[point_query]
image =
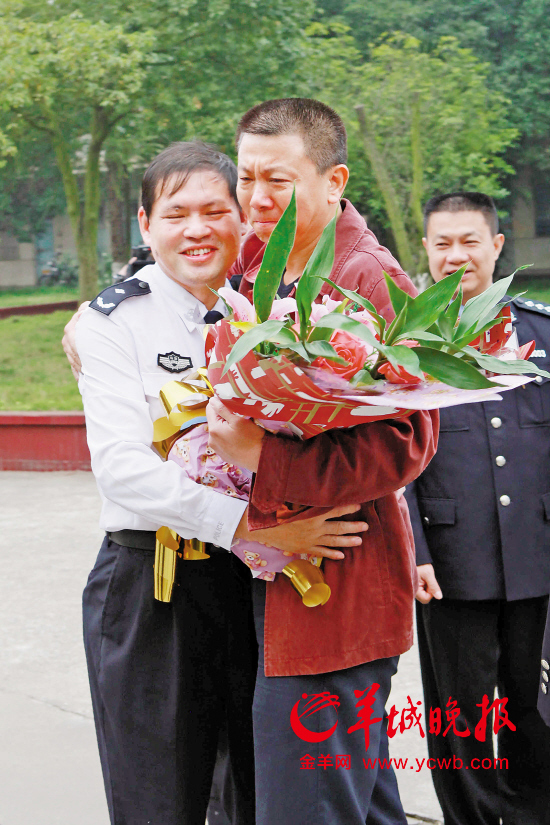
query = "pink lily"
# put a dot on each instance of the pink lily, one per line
(241, 306)
(282, 307)
(318, 310)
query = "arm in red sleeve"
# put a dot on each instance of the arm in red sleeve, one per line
(362, 463)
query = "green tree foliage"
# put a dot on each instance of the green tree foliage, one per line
(512, 37)
(31, 190)
(428, 123)
(129, 78)
(72, 81)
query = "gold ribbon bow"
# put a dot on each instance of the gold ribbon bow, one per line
(184, 402)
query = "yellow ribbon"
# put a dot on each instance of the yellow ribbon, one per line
(184, 402)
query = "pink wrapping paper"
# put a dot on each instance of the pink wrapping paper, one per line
(203, 466)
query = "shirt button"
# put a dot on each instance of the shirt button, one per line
(545, 664)
(538, 379)
(496, 422)
(500, 461)
(426, 520)
(143, 285)
(505, 500)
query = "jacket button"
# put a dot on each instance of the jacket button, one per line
(426, 520)
(505, 500)
(500, 461)
(544, 676)
(496, 422)
(543, 688)
(545, 664)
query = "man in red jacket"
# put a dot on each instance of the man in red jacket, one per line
(348, 649)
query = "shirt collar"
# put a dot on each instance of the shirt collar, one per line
(189, 308)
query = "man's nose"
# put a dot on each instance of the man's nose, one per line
(196, 227)
(260, 198)
(457, 254)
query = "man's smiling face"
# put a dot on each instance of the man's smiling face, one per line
(195, 232)
(457, 238)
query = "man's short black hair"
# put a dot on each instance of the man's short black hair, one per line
(177, 163)
(463, 202)
(321, 129)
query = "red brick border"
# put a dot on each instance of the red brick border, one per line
(37, 309)
(43, 441)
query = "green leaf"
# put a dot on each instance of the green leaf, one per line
(215, 291)
(400, 356)
(335, 321)
(317, 268)
(425, 309)
(299, 348)
(256, 335)
(322, 349)
(477, 307)
(451, 370)
(363, 378)
(489, 362)
(274, 261)
(354, 297)
(398, 297)
(396, 327)
(474, 333)
(422, 335)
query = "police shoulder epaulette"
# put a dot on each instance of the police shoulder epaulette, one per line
(532, 306)
(110, 298)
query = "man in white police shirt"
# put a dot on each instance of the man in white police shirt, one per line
(481, 521)
(166, 678)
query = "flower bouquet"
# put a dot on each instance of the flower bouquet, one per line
(300, 368)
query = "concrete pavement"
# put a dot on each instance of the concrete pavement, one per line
(49, 768)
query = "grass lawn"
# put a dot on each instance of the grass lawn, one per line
(538, 288)
(36, 295)
(34, 373)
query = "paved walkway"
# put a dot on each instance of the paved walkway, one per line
(49, 768)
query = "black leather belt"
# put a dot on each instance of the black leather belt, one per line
(146, 540)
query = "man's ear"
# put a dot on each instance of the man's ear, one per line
(425, 243)
(337, 182)
(143, 221)
(245, 226)
(498, 242)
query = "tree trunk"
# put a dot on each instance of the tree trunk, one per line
(389, 195)
(118, 208)
(417, 188)
(84, 217)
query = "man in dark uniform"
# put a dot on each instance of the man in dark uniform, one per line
(544, 695)
(481, 521)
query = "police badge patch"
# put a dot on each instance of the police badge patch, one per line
(172, 362)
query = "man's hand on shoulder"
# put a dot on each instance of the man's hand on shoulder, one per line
(237, 440)
(315, 535)
(428, 588)
(68, 342)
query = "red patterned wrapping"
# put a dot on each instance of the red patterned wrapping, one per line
(275, 391)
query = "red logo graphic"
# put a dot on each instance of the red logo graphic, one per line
(317, 702)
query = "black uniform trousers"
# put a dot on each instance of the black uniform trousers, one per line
(165, 679)
(286, 793)
(466, 649)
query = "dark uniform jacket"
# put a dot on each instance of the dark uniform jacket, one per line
(481, 510)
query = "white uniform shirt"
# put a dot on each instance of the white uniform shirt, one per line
(120, 384)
